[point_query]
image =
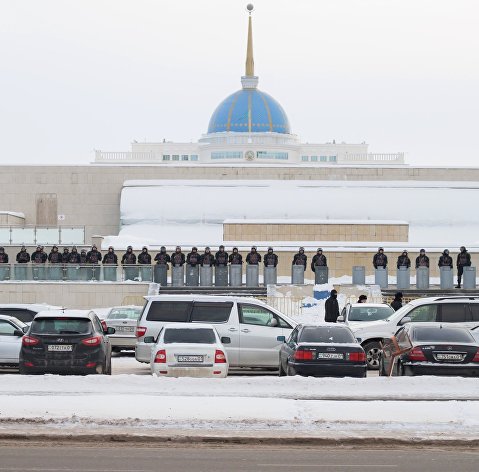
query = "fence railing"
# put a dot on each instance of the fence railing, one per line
(32, 235)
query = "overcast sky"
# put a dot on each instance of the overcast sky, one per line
(75, 76)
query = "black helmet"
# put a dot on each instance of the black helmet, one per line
(422, 250)
(320, 249)
(178, 248)
(129, 248)
(381, 249)
(2, 248)
(194, 248)
(162, 248)
(222, 247)
(253, 247)
(110, 248)
(463, 249)
(301, 249)
(270, 249)
(235, 249)
(83, 251)
(144, 249)
(446, 252)
(405, 251)
(207, 248)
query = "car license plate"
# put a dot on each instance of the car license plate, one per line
(448, 357)
(329, 355)
(125, 329)
(60, 347)
(190, 358)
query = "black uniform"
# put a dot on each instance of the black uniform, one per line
(65, 256)
(178, 258)
(54, 257)
(422, 261)
(319, 260)
(83, 259)
(300, 258)
(74, 257)
(144, 257)
(445, 260)
(38, 257)
(270, 259)
(463, 260)
(331, 308)
(403, 261)
(3, 256)
(162, 258)
(110, 257)
(129, 258)
(207, 259)
(23, 257)
(221, 257)
(93, 256)
(380, 260)
(253, 257)
(235, 257)
(193, 258)
(396, 304)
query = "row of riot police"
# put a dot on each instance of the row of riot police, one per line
(380, 259)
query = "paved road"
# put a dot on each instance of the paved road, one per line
(125, 458)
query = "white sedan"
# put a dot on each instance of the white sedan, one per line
(11, 333)
(189, 350)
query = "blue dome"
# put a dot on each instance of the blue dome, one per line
(249, 106)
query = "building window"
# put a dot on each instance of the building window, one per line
(184, 157)
(314, 158)
(194, 157)
(166, 157)
(176, 157)
(272, 155)
(332, 158)
(227, 155)
(323, 159)
(304, 158)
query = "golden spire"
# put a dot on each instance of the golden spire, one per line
(249, 50)
(249, 80)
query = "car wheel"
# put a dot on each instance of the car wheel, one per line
(373, 355)
(281, 371)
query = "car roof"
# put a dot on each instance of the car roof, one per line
(31, 306)
(435, 325)
(65, 313)
(448, 299)
(123, 307)
(371, 305)
(189, 326)
(325, 325)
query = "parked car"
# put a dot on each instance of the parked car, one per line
(253, 327)
(463, 310)
(11, 332)
(189, 350)
(124, 319)
(67, 342)
(322, 350)
(25, 311)
(354, 314)
(435, 349)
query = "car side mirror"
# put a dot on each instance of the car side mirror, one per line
(110, 330)
(340, 319)
(149, 339)
(18, 332)
(405, 320)
(281, 339)
(225, 340)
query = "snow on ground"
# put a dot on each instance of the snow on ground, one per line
(425, 407)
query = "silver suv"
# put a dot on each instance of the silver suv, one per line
(463, 310)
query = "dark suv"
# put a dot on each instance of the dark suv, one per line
(66, 342)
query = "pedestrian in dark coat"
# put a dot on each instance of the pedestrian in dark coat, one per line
(3, 256)
(74, 257)
(221, 257)
(54, 257)
(362, 299)
(23, 257)
(397, 302)
(331, 308)
(270, 258)
(110, 257)
(129, 258)
(207, 259)
(319, 260)
(65, 255)
(463, 260)
(445, 260)
(380, 259)
(93, 256)
(300, 258)
(403, 260)
(38, 256)
(162, 258)
(178, 258)
(422, 260)
(235, 257)
(83, 259)
(144, 257)
(253, 257)
(193, 258)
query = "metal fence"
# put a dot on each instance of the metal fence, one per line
(33, 235)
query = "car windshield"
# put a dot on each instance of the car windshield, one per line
(401, 312)
(189, 336)
(326, 334)
(124, 314)
(443, 334)
(61, 326)
(370, 313)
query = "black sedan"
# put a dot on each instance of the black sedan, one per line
(322, 350)
(66, 342)
(434, 349)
